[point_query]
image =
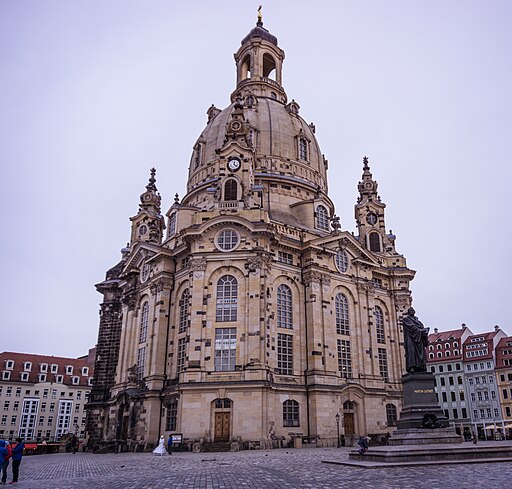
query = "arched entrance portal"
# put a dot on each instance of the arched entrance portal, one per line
(222, 419)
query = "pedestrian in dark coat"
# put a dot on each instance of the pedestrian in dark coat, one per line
(17, 454)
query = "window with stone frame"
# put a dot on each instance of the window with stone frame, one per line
(291, 413)
(284, 307)
(383, 363)
(172, 224)
(231, 189)
(171, 415)
(391, 414)
(225, 349)
(374, 241)
(227, 240)
(227, 298)
(285, 354)
(379, 324)
(28, 418)
(303, 149)
(322, 218)
(341, 260)
(184, 311)
(342, 316)
(344, 359)
(284, 257)
(144, 319)
(141, 360)
(181, 356)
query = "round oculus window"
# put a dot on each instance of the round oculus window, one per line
(227, 240)
(341, 259)
(143, 229)
(371, 218)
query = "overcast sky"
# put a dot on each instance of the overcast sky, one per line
(94, 93)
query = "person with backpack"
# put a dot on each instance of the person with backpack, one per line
(17, 454)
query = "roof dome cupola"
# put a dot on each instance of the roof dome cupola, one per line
(259, 63)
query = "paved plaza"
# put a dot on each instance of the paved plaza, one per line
(286, 468)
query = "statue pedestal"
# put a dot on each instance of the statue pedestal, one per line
(422, 421)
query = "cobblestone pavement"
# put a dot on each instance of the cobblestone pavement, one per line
(292, 469)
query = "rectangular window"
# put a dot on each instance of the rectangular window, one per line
(450, 380)
(141, 360)
(479, 394)
(4, 420)
(461, 395)
(505, 394)
(464, 413)
(470, 381)
(443, 381)
(41, 420)
(488, 411)
(14, 419)
(445, 398)
(78, 395)
(182, 353)
(344, 359)
(28, 418)
(482, 413)
(64, 417)
(507, 409)
(18, 391)
(475, 413)
(16, 405)
(6, 405)
(455, 414)
(283, 257)
(69, 369)
(285, 354)
(291, 413)
(225, 349)
(383, 363)
(171, 416)
(452, 396)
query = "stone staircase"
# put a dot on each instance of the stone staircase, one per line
(217, 446)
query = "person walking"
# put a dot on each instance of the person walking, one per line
(17, 454)
(4, 460)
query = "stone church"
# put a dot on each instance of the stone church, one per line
(247, 314)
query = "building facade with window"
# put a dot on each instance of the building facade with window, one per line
(43, 397)
(252, 315)
(479, 362)
(444, 360)
(504, 379)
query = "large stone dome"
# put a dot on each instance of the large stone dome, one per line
(274, 134)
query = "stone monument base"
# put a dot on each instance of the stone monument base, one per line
(421, 436)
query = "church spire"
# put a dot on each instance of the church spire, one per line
(367, 186)
(148, 224)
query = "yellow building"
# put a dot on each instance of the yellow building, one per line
(248, 315)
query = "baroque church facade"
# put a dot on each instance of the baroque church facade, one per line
(246, 313)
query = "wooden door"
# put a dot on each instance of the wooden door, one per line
(348, 423)
(222, 422)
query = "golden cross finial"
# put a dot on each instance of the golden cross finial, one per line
(260, 16)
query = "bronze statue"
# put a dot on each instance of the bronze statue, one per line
(415, 342)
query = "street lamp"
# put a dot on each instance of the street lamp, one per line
(338, 427)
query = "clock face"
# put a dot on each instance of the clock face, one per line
(234, 164)
(371, 218)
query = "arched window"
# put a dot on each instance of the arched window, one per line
(303, 149)
(231, 189)
(144, 317)
(284, 307)
(379, 325)
(269, 66)
(341, 260)
(245, 71)
(227, 298)
(374, 242)
(198, 155)
(172, 224)
(447, 354)
(430, 355)
(183, 321)
(291, 413)
(391, 414)
(342, 321)
(322, 218)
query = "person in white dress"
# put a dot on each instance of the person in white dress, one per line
(160, 449)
